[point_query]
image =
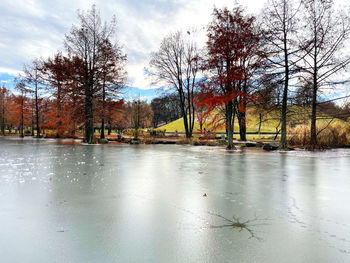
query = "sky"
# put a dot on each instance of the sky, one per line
(31, 29)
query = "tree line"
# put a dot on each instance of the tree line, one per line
(71, 89)
(293, 50)
(292, 53)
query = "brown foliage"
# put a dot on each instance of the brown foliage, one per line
(333, 135)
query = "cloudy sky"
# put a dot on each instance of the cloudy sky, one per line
(36, 28)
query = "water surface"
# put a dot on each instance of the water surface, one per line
(147, 203)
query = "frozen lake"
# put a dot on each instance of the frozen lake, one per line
(161, 203)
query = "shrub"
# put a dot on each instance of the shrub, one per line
(148, 140)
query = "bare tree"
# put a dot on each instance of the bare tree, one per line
(176, 65)
(21, 87)
(267, 90)
(140, 115)
(33, 80)
(165, 109)
(326, 32)
(281, 22)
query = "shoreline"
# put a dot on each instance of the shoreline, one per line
(176, 141)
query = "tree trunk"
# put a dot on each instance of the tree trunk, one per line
(37, 111)
(3, 126)
(234, 113)
(313, 137)
(103, 111)
(193, 115)
(184, 113)
(276, 135)
(102, 129)
(189, 111)
(22, 118)
(32, 128)
(242, 126)
(229, 113)
(241, 114)
(186, 126)
(283, 142)
(89, 122)
(3, 115)
(260, 122)
(59, 109)
(109, 127)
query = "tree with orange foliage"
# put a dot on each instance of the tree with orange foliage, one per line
(86, 44)
(59, 74)
(232, 57)
(54, 74)
(139, 115)
(112, 76)
(12, 112)
(115, 115)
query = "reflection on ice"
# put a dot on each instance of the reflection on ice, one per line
(147, 204)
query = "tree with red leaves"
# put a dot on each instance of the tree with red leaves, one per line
(54, 72)
(115, 115)
(86, 44)
(9, 111)
(60, 75)
(232, 52)
(112, 77)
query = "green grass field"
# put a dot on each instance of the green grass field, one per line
(252, 124)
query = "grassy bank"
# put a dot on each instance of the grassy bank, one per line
(331, 132)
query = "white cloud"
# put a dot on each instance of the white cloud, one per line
(10, 71)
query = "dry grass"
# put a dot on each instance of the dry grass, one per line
(333, 135)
